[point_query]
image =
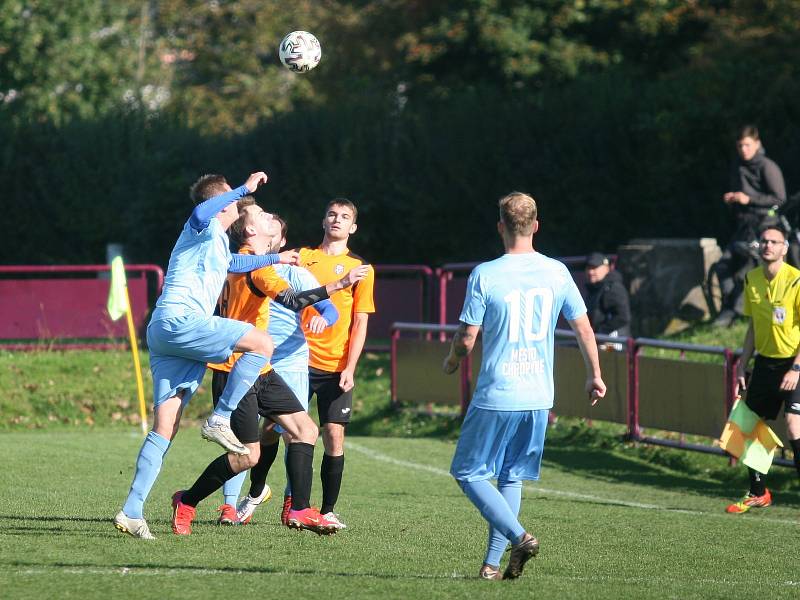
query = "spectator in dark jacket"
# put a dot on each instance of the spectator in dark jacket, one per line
(757, 190)
(607, 299)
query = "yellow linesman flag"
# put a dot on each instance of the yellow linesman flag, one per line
(117, 296)
(747, 437)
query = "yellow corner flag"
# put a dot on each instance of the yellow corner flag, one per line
(119, 304)
(118, 292)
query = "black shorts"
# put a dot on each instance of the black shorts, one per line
(333, 405)
(764, 394)
(269, 397)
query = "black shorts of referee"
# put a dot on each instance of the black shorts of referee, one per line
(269, 397)
(764, 394)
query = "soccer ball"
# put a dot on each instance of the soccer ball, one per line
(300, 51)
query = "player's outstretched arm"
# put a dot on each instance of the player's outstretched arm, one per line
(595, 386)
(462, 344)
(205, 211)
(208, 209)
(245, 263)
(355, 275)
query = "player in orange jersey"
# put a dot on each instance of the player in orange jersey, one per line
(334, 353)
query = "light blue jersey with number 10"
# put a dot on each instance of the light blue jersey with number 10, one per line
(516, 299)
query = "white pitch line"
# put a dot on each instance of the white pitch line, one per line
(379, 456)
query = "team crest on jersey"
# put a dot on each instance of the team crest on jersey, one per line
(338, 269)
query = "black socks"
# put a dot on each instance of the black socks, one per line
(331, 476)
(757, 487)
(216, 474)
(258, 474)
(300, 469)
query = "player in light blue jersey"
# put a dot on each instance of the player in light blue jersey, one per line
(184, 335)
(515, 300)
(290, 361)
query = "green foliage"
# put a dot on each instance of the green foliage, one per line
(617, 116)
(59, 63)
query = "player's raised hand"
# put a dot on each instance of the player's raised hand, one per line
(289, 257)
(255, 180)
(356, 274)
(316, 324)
(596, 389)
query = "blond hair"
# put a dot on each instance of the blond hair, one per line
(518, 213)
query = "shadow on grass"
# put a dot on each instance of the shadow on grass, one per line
(597, 452)
(55, 518)
(129, 569)
(606, 465)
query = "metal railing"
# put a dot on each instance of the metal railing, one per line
(633, 349)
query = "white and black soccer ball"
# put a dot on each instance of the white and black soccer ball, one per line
(300, 51)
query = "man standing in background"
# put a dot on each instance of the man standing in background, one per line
(334, 353)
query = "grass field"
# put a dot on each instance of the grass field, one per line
(615, 519)
(611, 525)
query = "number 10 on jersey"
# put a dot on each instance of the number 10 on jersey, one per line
(523, 314)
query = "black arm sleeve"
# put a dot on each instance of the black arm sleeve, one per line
(297, 301)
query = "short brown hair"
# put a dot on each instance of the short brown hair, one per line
(207, 187)
(284, 226)
(343, 202)
(750, 131)
(518, 213)
(236, 234)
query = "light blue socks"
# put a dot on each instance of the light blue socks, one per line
(233, 487)
(148, 464)
(512, 492)
(495, 508)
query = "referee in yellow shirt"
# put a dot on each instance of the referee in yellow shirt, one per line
(772, 302)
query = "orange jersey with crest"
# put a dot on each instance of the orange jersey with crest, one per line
(246, 297)
(328, 350)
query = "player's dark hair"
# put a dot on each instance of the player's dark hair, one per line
(236, 236)
(343, 202)
(518, 213)
(750, 131)
(284, 226)
(775, 226)
(207, 187)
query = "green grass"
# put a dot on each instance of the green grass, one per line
(612, 524)
(53, 389)
(704, 334)
(616, 519)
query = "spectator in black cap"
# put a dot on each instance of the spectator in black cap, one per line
(607, 299)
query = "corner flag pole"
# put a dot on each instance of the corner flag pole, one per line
(119, 303)
(136, 365)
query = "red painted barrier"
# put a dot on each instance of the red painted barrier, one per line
(402, 293)
(64, 307)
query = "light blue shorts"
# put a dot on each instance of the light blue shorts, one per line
(180, 348)
(496, 444)
(298, 382)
